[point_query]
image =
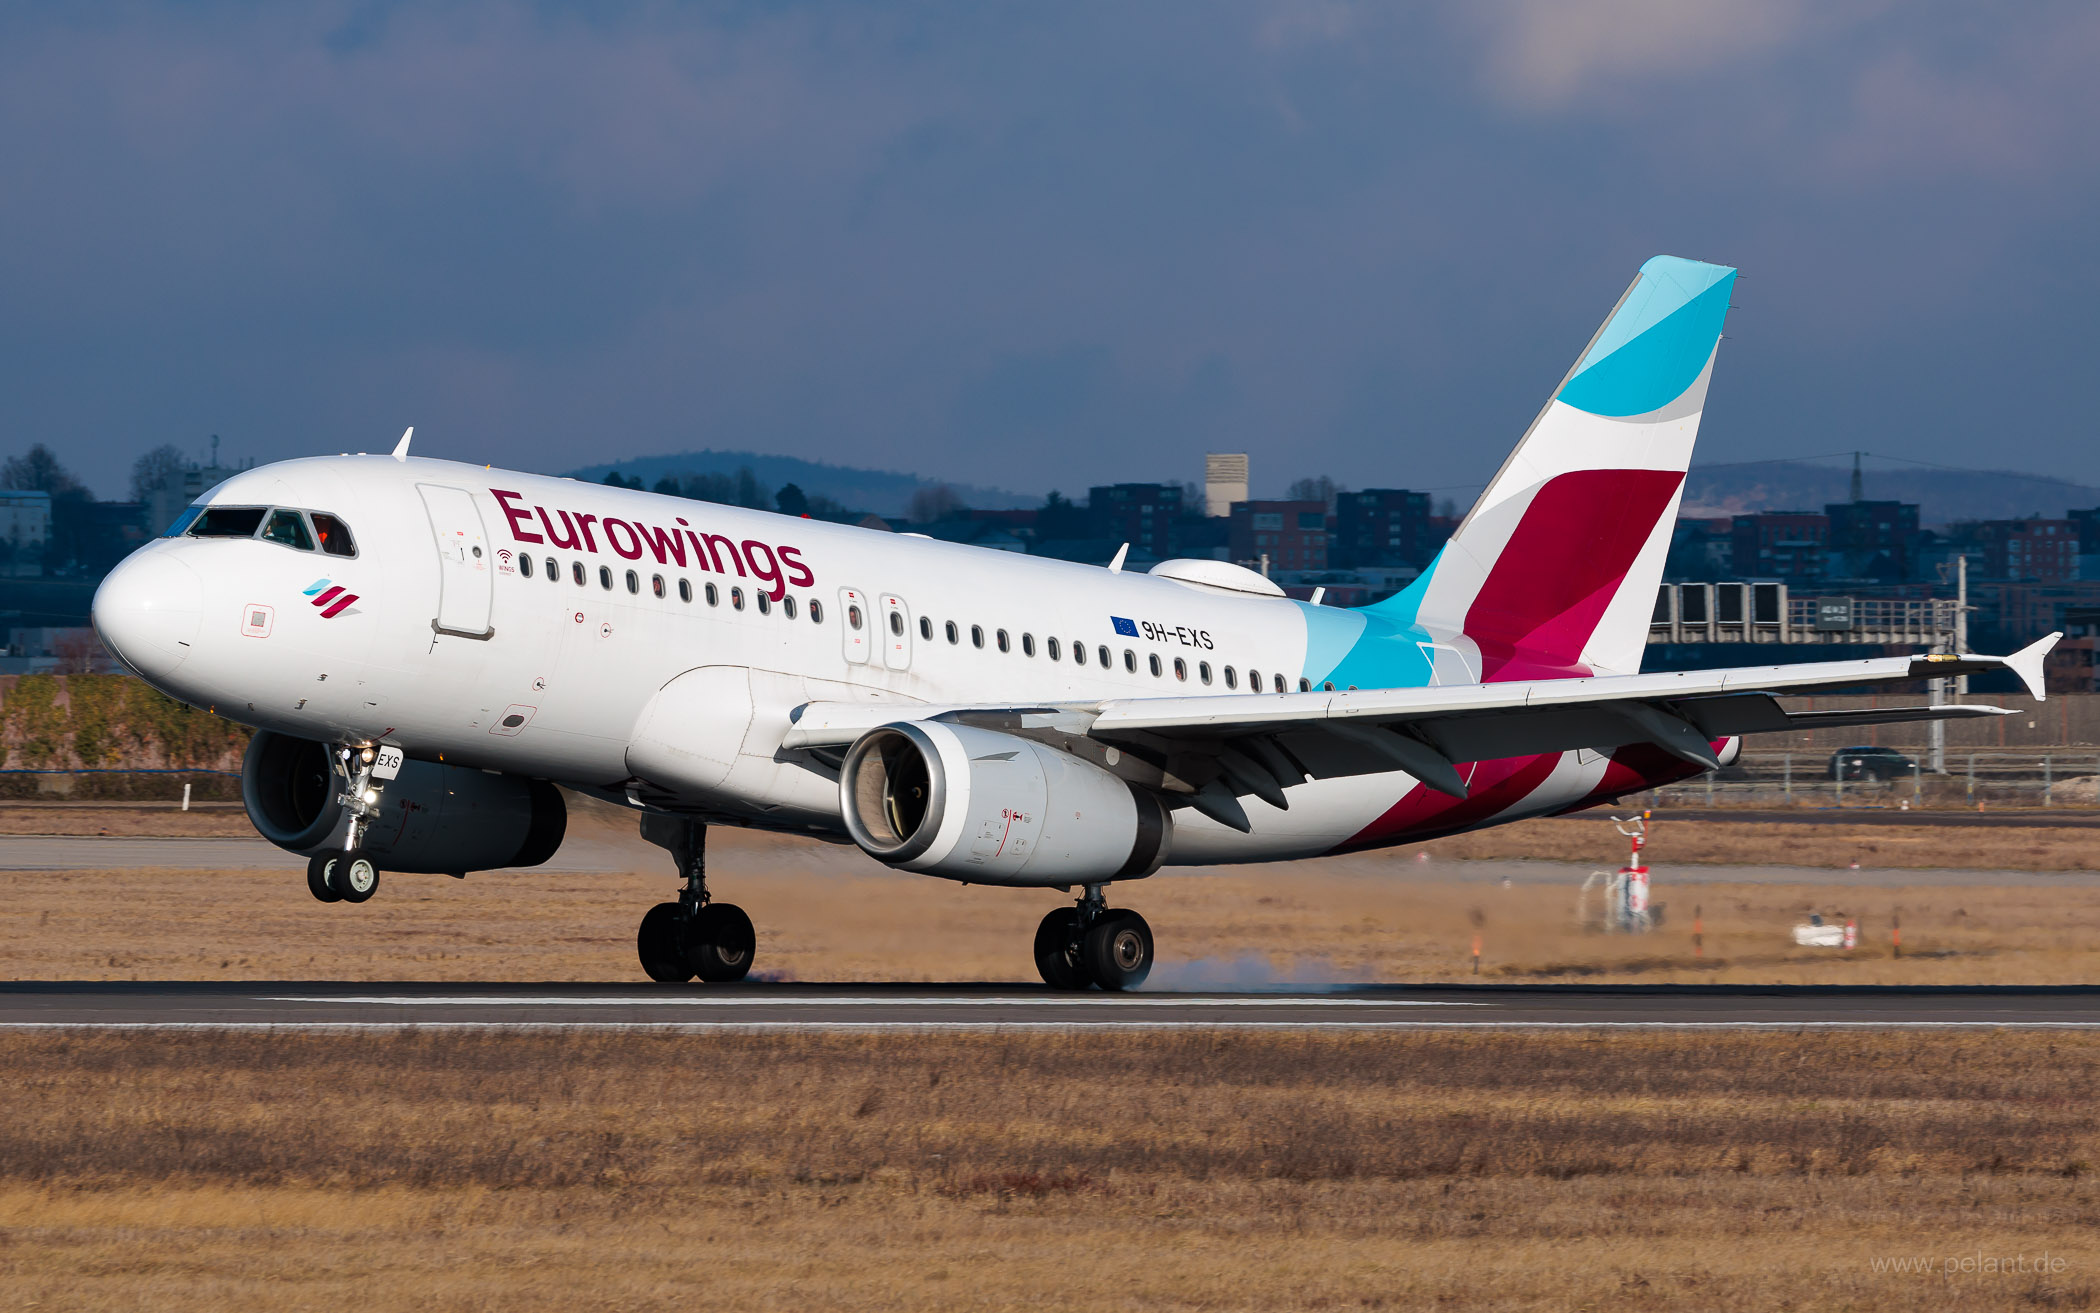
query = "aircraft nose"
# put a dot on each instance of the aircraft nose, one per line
(148, 610)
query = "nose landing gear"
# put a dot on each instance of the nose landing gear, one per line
(1093, 944)
(348, 874)
(694, 936)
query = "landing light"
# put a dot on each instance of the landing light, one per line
(371, 795)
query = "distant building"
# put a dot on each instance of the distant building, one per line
(1780, 545)
(1224, 482)
(1382, 526)
(1701, 548)
(1141, 514)
(2028, 551)
(165, 504)
(1872, 540)
(1291, 534)
(25, 528)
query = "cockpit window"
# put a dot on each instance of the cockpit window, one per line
(228, 522)
(298, 530)
(334, 535)
(289, 528)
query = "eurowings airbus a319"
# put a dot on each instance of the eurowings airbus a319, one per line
(426, 649)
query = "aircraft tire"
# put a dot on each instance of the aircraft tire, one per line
(354, 876)
(317, 878)
(1117, 950)
(657, 944)
(720, 943)
(1055, 960)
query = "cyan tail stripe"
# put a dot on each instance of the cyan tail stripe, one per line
(1658, 342)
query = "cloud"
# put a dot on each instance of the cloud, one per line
(1547, 53)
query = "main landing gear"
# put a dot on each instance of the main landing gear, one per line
(348, 874)
(1093, 944)
(694, 936)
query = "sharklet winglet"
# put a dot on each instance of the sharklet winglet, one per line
(401, 447)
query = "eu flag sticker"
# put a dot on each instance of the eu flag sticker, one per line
(1127, 628)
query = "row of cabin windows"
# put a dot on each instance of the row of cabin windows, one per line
(1052, 648)
(581, 574)
(1055, 650)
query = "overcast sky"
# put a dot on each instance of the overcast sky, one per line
(1035, 246)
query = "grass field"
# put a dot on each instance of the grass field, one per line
(1191, 1170)
(826, 912)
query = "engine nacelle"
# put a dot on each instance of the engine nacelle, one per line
(990, 808)
(434, 819)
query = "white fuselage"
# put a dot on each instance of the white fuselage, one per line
(454, 651)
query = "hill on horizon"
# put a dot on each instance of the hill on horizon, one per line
(1943, 496)
(885, 492)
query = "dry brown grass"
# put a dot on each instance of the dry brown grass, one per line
(1587, 837)
(1831, 843)
(1191, 1170)
(829, 913)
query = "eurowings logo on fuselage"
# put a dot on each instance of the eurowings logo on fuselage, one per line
(330, 597)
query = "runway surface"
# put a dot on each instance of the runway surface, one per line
(148, 1005)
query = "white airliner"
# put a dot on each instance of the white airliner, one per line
(426, 649)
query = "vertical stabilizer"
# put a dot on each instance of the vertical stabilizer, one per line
(1555, 568)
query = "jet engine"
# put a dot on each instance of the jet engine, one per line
(988, 808)
(433, 818)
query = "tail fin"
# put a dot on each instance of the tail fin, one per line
(1556, 567)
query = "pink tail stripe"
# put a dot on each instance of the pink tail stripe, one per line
(324, 598)
(333, 611)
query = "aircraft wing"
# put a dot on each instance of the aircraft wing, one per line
(1257, 743)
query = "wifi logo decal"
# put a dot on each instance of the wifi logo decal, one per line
(329, 597)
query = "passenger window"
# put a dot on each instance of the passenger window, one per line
(954, 634)
(334, 535)
(1181, 669)
(816, 611)
(1106, 659)
(787, 607)
(1028, 645)
(1129, 661)
(576, 571)
(1078, 654)
(1253, 680)
(228, 522)
(765, 602)
(853, 616)
(1304, 684)
(287, 528)
(1203, 671)
(634, 582)
(553, 570)
(977, 636)
(1050, 648)
(605, 577)
(897, 623)
(736, 598)
(1232, 680)
(656, 584)
(1153, 661)
(685, 590)
(925, 628)
(525, 566)
(1328, 686)
(714, 595)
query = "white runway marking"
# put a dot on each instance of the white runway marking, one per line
(710, 1027)
(703, 1001)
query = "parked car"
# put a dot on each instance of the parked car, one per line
(1870, 764)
